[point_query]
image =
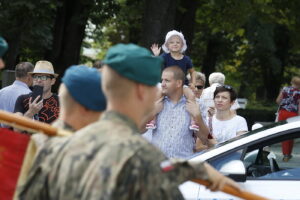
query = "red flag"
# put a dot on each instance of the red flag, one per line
(13, 147)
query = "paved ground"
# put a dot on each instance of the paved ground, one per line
(294, 161)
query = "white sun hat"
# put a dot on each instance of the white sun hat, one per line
(170, 34)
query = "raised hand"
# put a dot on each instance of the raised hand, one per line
(155, 49)
(35, 106)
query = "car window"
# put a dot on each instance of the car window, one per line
(265, 161)
(219, 161)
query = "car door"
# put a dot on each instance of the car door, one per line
(266, 173)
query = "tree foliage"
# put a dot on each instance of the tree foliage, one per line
(254, 42)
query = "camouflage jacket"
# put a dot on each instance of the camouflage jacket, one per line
(107, 160)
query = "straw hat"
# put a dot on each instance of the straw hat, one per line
(43, 67)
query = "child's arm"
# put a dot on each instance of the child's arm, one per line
(155, 50)
(193, 77)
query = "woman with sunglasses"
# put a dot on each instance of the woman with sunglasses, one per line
(226, 124)
(200, 80)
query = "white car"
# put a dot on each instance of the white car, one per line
(255, 161)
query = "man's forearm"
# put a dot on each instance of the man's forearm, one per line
(29, 114)
(203, 132)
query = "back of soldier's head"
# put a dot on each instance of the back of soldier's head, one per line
(22, 69)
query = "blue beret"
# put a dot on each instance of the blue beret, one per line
(3, 46)
(84, 85)
(135, 63)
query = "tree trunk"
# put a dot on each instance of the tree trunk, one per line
(185, 20)
(210, 59)
(158, 19)
(13, 51)
(69, 32)
(275, 64)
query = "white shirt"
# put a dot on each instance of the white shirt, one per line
(227, 129)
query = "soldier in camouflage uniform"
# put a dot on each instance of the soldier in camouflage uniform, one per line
(80, 94)
(109, 159)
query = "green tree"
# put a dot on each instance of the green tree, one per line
(27, 27)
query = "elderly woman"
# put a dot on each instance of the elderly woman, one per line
(289, 102)
(215, 79)
(225, 124)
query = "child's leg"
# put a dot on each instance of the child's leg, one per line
(188, 93)
(152, 123)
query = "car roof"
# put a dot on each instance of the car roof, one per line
(246, 138)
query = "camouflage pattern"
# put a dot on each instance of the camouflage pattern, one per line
(42, 147)
(107, 160)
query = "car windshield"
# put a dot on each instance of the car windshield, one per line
(239, 137)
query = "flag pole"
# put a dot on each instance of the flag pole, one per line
(30, 125)
(232, 191)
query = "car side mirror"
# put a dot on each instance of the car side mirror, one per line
(234, 169)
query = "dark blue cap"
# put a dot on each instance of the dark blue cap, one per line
(3, 46)
(84, 85)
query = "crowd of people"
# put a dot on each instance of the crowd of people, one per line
(108, 107)
(190, 118)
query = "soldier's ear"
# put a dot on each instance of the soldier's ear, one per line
(140, 90)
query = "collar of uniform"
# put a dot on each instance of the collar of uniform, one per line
(61, 124)
(119, 118)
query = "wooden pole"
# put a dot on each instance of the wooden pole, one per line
(30, 125)
(232, 191)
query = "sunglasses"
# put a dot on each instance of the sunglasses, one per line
(41, 77)
(227, 87)
(199, 87)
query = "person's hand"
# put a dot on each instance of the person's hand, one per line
(155, 49)
(35, 106)
(193, 108)
(159, 105)
(218, 180)
(192, 86)
(211, 111)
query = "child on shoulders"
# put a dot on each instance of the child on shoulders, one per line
(174, 47)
